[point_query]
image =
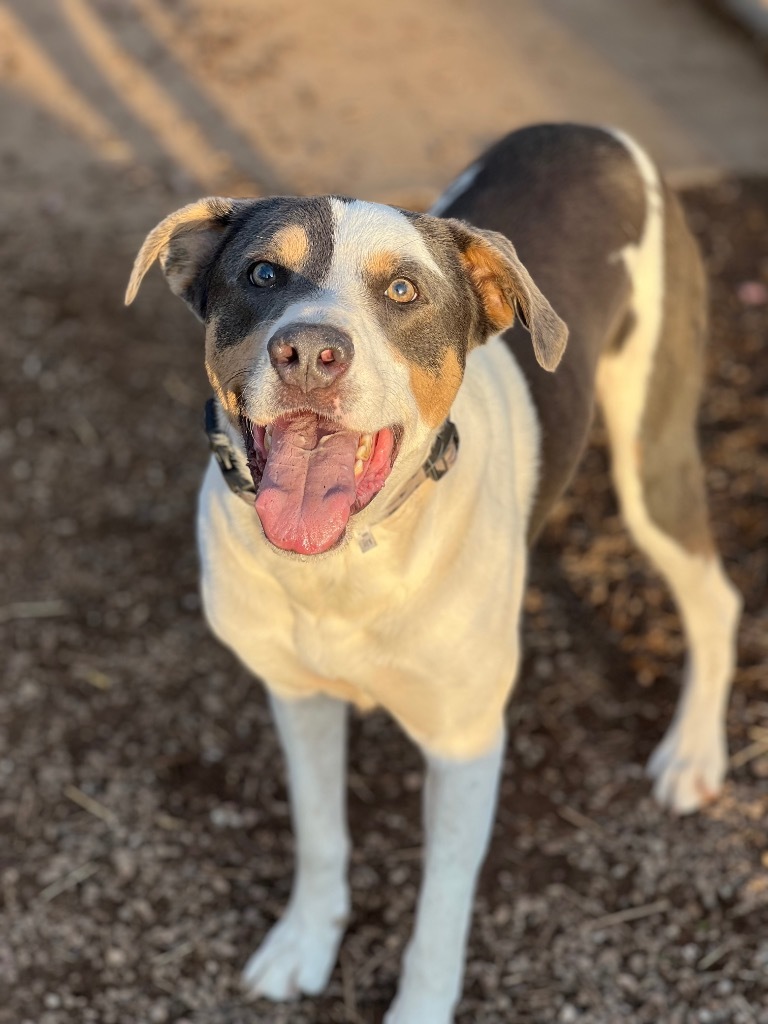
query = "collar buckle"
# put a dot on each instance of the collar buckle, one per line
(444, 452)
(221, 448)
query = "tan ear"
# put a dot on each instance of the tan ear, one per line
(504, 287)
(184, 243)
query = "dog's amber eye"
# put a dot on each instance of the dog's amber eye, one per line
(263, 274)
(402, 290)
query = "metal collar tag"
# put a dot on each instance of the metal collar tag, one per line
(440, 459)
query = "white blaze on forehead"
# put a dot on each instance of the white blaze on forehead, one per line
(361, 229)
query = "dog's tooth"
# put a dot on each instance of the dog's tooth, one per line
(267, 439)
(358, 467)
(365, 447)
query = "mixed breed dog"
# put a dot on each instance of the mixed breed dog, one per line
(400, 398)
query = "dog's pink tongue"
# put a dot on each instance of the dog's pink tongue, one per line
(308, 487)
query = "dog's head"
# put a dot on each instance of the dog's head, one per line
(337, 333)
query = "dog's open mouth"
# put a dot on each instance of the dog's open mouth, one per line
(311, 475)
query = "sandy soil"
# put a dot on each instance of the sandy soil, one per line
(144, 839)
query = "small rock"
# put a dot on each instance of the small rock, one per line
(125, 864)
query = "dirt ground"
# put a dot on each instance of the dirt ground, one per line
(144, 838)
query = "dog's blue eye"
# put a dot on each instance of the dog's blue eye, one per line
(263, 274)
(402, 290)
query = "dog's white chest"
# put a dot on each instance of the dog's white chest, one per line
(336, 651)
(424, 624)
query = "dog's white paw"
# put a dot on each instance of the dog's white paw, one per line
(296, 957)
(689, 766)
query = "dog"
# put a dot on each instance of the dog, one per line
(397, 408)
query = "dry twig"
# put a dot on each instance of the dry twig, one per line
(174, 953)
(349, 992)
(49, 609)
(93, 807)
(749, 753)
(68, 881)
(579, 820)
(630, 914)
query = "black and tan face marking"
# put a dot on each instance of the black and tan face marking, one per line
(295, 236)
(207, 251)
(431, 333)
(482, 288)
(333, 261)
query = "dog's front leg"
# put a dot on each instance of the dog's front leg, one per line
(299, 953)
(459, 806)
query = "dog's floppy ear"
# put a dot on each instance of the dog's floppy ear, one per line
(184, 243)
(504, 287)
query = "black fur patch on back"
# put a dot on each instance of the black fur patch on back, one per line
(569, 198)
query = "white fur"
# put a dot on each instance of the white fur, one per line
(690, 764)
(356, 223)
(459, 804)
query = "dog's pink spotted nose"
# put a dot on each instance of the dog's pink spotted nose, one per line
(310, 356)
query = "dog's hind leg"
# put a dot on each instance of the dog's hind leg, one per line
(299, 953)
(649, 389)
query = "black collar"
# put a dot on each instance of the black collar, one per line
(237, 480)
(440, 459)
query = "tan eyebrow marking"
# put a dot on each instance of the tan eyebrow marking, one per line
(291, 245)
(380, 264)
